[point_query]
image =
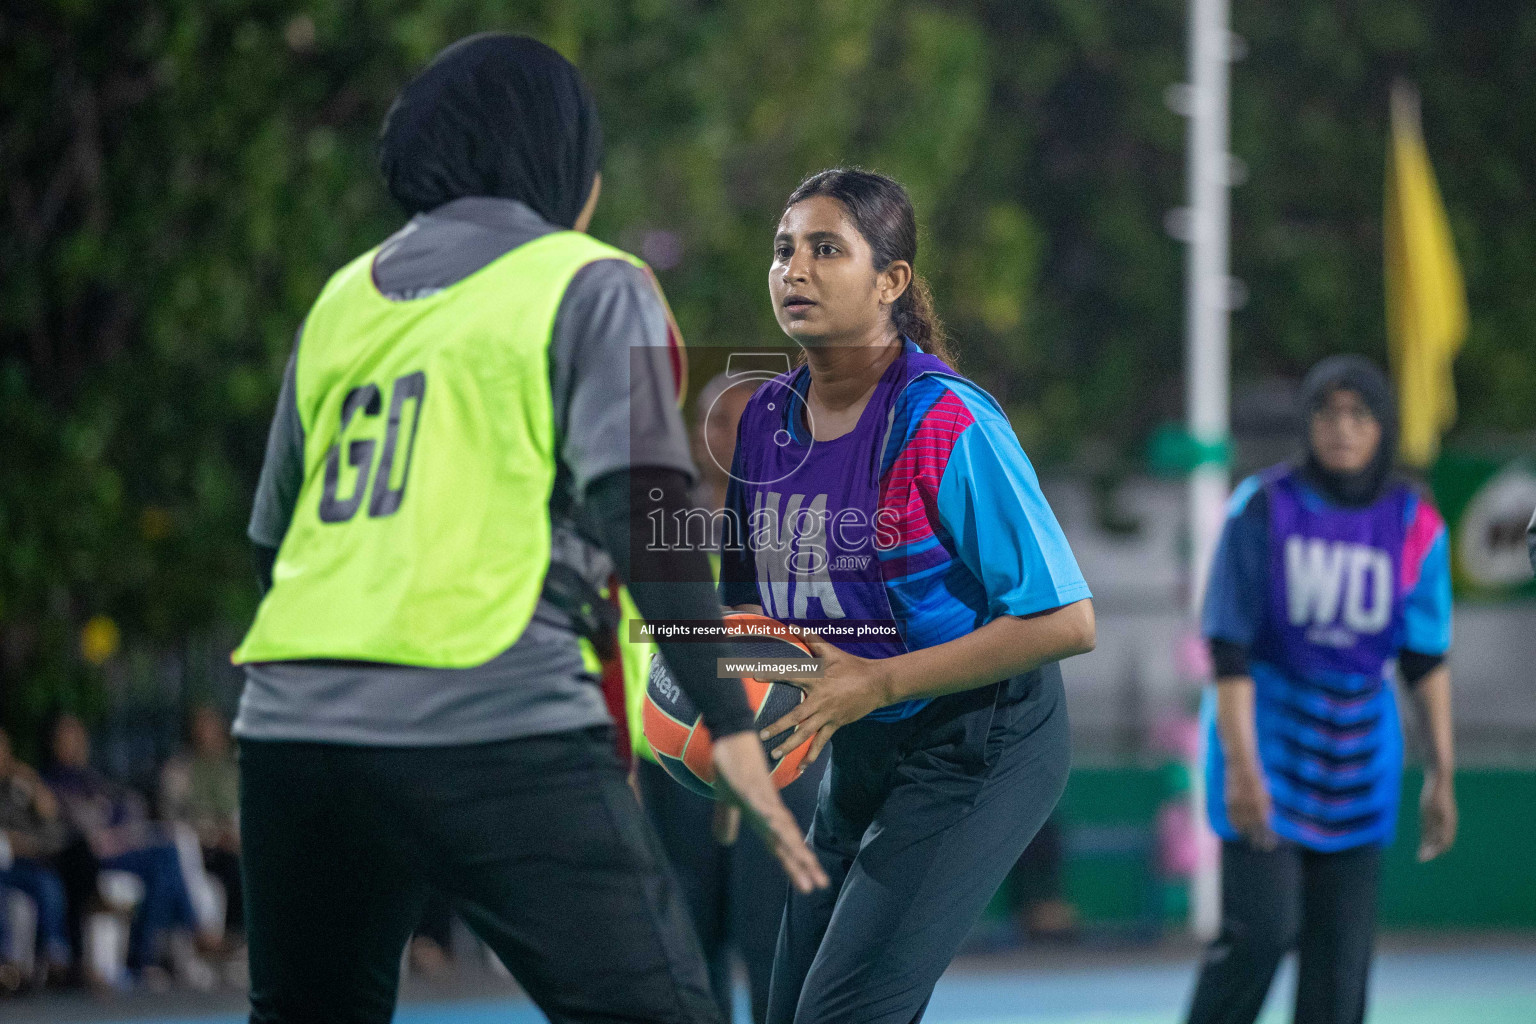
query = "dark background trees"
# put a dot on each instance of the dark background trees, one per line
(180, 176)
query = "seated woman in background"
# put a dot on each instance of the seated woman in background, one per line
(200, 788)
(110, 823)
(30, 834)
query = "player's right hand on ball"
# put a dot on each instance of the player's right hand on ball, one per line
(741, 776)
(1248, 805)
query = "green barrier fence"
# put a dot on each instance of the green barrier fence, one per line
(1488, 880)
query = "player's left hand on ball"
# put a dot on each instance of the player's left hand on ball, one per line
(1437, 817)
(849, 688)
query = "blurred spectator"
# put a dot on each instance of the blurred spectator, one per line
(30, 833)
(200, 788)
(1040, 908)
(112, 831)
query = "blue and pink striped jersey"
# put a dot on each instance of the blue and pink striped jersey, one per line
(974, 536)
(962, 535)
(1324, 598)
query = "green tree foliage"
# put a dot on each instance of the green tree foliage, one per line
(180, 177)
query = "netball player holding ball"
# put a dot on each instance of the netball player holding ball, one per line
(876, 485)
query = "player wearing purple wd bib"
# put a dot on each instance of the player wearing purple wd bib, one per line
(1327, 572)
(876, 486)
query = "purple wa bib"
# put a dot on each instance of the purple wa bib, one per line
(814, 523)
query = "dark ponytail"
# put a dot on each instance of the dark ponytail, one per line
(882, 211)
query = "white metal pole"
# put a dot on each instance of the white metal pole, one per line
(1208, 298)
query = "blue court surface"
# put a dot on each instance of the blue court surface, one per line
(1486, 983)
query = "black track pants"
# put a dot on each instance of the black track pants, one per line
(917, 824)
(539, 842)
(1321, 904)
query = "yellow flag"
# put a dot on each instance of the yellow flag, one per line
(1426, 299)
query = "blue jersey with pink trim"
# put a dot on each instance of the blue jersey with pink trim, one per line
(972, 535)
(933, 475)
(1324, 598)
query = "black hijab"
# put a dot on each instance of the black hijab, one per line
(494, 115)
(1360, 375)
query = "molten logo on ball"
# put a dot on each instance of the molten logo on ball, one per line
(677, 735)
